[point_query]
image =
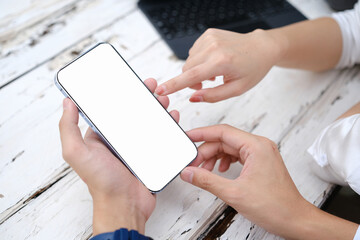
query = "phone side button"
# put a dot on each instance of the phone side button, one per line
(96, 131)
(88, 122)
(63, 92)
(85, 118)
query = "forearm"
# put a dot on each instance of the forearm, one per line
(312, 45)
(317, 224)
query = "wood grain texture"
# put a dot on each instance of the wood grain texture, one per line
(53, 32)
(40, 196)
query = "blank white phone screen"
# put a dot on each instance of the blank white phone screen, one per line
(128, 116)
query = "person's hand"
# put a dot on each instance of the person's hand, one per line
(242, 59)
(120, 200)
(264, 192)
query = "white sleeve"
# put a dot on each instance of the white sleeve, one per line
(349, 22)
(357, 234)
(336, 152)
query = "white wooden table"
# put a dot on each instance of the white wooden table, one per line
(42, 198)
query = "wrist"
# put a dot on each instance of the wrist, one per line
(317, 224)
(280, 45)
(110, 214)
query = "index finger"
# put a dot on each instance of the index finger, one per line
(189, 78)
(226, 134)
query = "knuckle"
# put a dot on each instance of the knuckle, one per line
(191, 50)
(273, 145)
(224, 129)
(261, 141)
(258, 30)
(211, 31)
(225, 58)
(268, 143)
(208, 32)
(225, 126)
(214, 45)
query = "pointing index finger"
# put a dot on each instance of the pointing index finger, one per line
(188, 78)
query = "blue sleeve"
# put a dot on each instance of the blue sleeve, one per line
(121, 234)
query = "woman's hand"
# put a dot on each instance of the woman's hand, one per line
(264, 192)
(242, 59)
(120, 200)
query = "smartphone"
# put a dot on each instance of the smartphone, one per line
(125, 114)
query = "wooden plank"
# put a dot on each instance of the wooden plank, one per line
(20, 15)
(55, 33)
(45, 216)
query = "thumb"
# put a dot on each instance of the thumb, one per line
(205, 179)
(71, 139)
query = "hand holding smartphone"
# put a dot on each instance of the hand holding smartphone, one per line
(128, 118)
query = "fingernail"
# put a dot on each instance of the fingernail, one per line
(65, 104)
(187, 175)
(196, 99)
(160, 90)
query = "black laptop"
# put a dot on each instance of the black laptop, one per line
(181, 22)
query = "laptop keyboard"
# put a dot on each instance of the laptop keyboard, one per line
(177, 19)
